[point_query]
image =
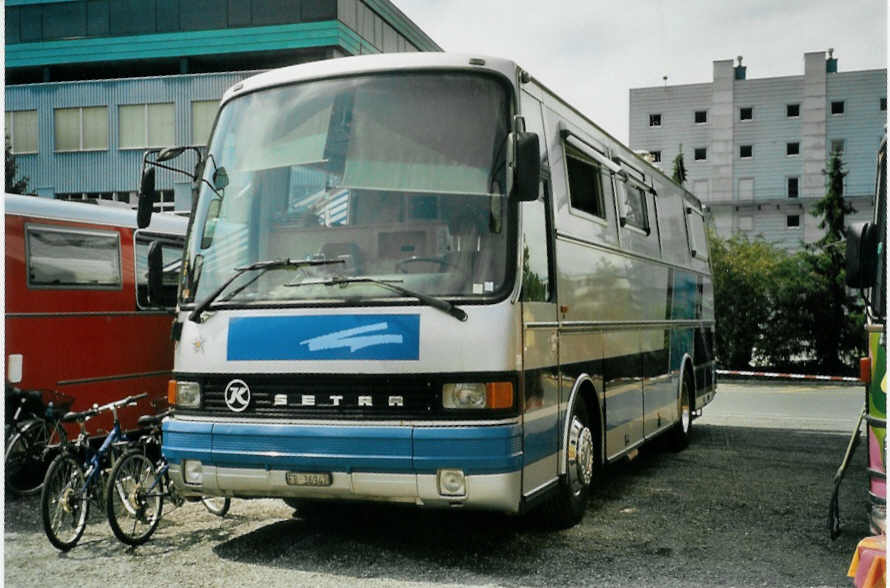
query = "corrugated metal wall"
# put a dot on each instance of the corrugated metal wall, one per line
(114, 169)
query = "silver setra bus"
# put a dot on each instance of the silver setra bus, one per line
(425, 278)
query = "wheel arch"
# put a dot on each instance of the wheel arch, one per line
(584, 388)
(687, 371)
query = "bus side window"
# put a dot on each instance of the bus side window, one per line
(172, 259)
(536, 249)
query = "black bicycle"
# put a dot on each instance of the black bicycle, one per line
(75, 478)
(33, 437)
(138, 484)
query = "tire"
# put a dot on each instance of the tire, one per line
(679, 436)
(64, 505)
(218, 505)
(28, 455)
(134, 498)
(566, 508)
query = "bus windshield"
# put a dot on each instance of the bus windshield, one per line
(396, 177)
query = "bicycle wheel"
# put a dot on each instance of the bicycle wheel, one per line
(28, 453)
(134, 499)
(218, 505)
(63, 503)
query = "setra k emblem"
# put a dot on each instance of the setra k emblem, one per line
(237, 396)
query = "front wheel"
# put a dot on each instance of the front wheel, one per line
(134, 498)
(64, 504)
(218, 505)
(567, 507)
(27, 455)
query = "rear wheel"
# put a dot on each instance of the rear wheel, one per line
(28, 454)
(218, 505)
(63, 503)
(683, 429)
(567, 507)
(134, 499)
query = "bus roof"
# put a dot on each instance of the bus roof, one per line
(371, 64)
(49, 208)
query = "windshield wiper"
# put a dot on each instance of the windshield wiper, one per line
(437, 303)
(263, 266)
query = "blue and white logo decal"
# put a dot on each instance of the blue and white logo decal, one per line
(325, 337)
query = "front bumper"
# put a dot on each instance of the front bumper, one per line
(394, 463)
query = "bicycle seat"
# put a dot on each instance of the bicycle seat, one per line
(149, 420)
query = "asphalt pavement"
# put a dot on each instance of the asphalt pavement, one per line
(741, 506)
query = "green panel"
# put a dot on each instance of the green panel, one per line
(403, 25)
(184, 44)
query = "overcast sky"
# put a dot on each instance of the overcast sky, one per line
(592, 52)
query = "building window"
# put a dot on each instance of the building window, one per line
(81, 129)
(656, 156)
(837, 107)
(701, 117)
(792, 110)
(792, 221)
(21, 131)
(746, 113)
(746, 151)
(146, 125)
(585, 184)
(165, 201)
(837, 146)
(700, 153)
(793, 184)
(654, 120)
(883, 104)
(203, 115)
(65, 258)
(792, 148)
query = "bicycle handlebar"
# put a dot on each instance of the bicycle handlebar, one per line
(85, 415)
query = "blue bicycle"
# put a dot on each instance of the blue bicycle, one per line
(76, 478)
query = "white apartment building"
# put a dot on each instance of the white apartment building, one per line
(755, 149)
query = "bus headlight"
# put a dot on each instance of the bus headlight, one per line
(477, 395)
(184, 394)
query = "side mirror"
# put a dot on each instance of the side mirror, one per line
(169, 153)
(528, 167)
(862, 251)
(146, 198)
(156, 274)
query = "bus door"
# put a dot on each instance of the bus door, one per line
(540, 338)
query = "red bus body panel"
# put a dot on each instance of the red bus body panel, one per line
(94, 345)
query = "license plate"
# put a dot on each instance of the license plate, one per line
(308, 479)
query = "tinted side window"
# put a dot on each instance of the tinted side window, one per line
(535, 248)
(634, 212)
(698, 244)
(172, 255)
(65, 258)
(585, 183)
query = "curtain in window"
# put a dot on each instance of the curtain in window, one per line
(67, 129)
(95, 127)
(203, 113)
(25, 131)
(161, 131)
(132, 126)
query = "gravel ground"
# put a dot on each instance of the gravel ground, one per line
(739, 507)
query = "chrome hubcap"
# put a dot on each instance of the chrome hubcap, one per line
(684, 408)
(580, 454)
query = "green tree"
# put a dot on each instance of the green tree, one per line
(13, 185)
(679, 175)
(836, 314)
(743, 271)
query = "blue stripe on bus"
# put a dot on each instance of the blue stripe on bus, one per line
(343, 448)
(325, 337)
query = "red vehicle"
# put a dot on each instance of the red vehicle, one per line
(81, 318)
